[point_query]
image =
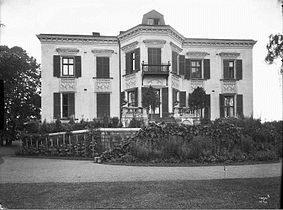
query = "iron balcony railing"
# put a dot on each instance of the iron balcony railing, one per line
(159, 69)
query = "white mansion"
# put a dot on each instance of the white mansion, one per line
(85, 76)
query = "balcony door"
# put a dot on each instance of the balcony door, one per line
(154, 59)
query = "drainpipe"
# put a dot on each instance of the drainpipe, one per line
(119, 44)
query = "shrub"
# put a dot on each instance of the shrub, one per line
(247, 144)
(265, 155)
(134, 123)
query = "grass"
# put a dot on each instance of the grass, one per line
(227, 193)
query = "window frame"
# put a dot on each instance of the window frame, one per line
(68, 65)
(131, 96)
(227, 108)
(229, 69)
(67, 106)
(200, 67)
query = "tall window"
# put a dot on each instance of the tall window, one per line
(102, 67)
(133, 61)
(154, 59)
(196, 72)
(67, 66)
(157, 109)
(64, 105)
(229, 69)
(229, 110)
(132, 98)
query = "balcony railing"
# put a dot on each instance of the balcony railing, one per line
(155, 69)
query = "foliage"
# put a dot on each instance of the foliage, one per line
(21, 76)
(135, 123)
(274, 48)
(223, 140)
(150, 99)
(197, 99)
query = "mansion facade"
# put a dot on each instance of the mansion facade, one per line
(86, 76)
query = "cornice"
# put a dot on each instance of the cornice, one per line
(154, 42)
(219, 42)
(102, 51)
(46, 38)
(130, 46)
(67, 50)
(160, 29)
(175, 47)
(196, 54)
(229, 54)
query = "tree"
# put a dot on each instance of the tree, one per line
(21, 77)
(274, 48)
(150, 99)
(197, 100)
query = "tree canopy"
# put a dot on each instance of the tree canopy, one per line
(274, 48)
(150, 99)
(197, 99)
(21, 75)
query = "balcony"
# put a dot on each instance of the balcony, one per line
(156, 70)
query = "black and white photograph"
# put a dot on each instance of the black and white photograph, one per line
(141, 104)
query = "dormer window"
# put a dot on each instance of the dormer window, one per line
(153, 21)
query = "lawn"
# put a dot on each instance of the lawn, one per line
(226, 193)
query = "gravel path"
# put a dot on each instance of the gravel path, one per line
(29, 170)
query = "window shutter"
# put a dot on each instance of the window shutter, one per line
(221, 105)
(106, 69)
(181, 64)
(240, 105)
(57, 105)
(165, 102)
(182, 98)
(56, 65)
(137, 59)
(225, 69)
(174, 96)
(99, 73)
(136, 97)
(71, 102)
(206, 67)
(128, 63)
(78, 67)
(188, 69)
(239, 70)
(174, 62)
(207, 106)
(103, 105)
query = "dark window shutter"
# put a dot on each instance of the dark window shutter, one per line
(99, 67)
(206, 67)
(136, 97)
(225, 69)
(106, 69)
(174, 62)
(71, 102)
(181, 64)
(122, 98)
(240, 105)
(103, 105)
(165, 102)
(207, 107)
(188, 69)
(182, 98)
(128, 63)
(56, 65)
(57, 105)
(221, 105)
(239, 69)
(78, 66)
(137, 59)
(174, 96)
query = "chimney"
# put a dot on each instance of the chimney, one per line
(95, 34)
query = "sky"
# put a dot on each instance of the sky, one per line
(228, 19)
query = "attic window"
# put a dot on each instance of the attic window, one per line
(153, 21)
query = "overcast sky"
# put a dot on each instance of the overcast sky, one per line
(231, 19)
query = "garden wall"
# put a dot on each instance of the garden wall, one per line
(80, 143)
